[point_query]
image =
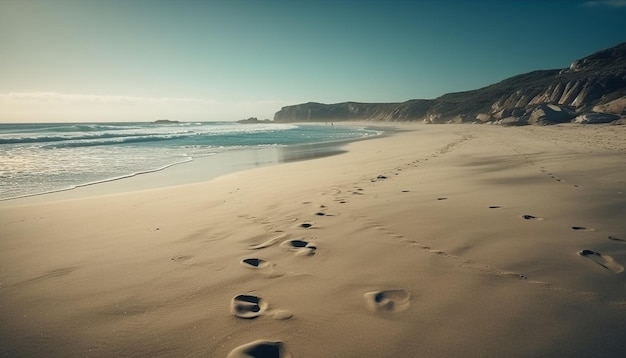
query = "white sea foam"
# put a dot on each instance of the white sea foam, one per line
(39, 158)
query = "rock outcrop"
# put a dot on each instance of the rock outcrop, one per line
(550, 113)
(165, 121)
(594, 84)
(252, 120)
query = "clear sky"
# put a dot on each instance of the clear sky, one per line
(137, 60)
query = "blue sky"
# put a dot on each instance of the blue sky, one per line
(116, 60)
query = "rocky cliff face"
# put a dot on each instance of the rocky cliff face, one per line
(594, 84)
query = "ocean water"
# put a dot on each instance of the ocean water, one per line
(42, 158)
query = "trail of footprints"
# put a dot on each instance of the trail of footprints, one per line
(605, 261)
(555, 177)
(249, 307)
(542, 169)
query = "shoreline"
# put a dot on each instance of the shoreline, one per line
(200, 169)
(439, 240)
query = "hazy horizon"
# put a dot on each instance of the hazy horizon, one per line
(94, 61)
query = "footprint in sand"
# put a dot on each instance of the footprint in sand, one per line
(618, 239)
(582, 228)
(300, 247)
(249, 307)
(255, 263)
(260, 349)
(264, 266)
(322, 213)
(184, 260)
(268, 243)
(304, 225)
(388, 300)
(603, 260)
(530, 217)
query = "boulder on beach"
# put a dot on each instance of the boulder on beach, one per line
(546, 114)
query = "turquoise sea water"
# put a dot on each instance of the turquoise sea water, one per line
(40, 158)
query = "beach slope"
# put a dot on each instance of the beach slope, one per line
(436, 241)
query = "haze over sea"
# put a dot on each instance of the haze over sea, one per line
(41, 158)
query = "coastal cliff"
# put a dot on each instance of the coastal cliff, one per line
(591, 90)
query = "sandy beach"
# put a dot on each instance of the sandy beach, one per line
(434, 241)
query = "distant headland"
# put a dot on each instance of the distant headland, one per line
(253, 120)
(591, 90)
(164, 121)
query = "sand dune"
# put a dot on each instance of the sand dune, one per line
(436, 241)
